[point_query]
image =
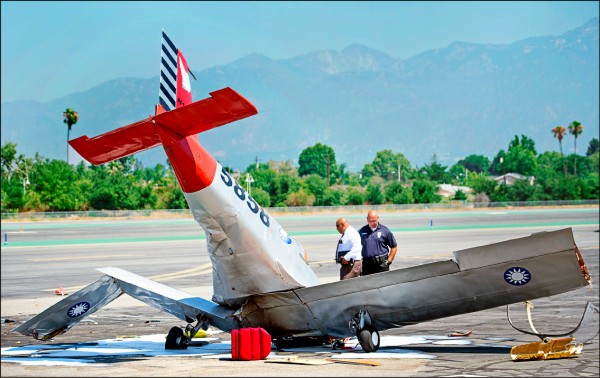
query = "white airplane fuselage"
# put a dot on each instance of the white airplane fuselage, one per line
(261, 257)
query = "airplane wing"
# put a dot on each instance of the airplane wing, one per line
(60, 317)
(480, 278)
(63, 315)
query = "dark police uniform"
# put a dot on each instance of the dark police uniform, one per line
(375, 248)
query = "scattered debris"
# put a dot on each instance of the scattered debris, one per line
(299, 361)
(546, 349)
(349, 343)
(355, 361)
(460, 334)
(60, 291)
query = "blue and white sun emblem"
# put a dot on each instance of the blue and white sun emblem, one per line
(284, 236)
(78, 309)
(517, 276)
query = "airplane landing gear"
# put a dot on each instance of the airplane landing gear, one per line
(368, 338)
(367, 334)
(178, 339)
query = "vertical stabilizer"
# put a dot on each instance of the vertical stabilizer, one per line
(175, 89)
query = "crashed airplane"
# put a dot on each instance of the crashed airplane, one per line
(260, 276)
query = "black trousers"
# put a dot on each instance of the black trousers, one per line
(373, 265)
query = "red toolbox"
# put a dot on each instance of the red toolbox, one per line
(250, 344)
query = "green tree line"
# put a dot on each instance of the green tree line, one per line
(40, 184)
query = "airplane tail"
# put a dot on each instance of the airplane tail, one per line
(223, 107)
(175, 111)
(175, 87)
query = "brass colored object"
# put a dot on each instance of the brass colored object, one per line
(546, 349)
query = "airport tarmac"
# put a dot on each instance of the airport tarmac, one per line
(419, 350)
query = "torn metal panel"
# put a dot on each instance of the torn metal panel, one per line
(282, 314)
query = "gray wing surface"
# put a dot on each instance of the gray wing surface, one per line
(480, 278)
(63, 315)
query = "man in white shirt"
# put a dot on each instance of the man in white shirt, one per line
(350, 249)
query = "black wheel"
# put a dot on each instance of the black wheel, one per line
(368, 338)
(176, 339)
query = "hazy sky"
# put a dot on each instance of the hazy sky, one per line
(51, 48)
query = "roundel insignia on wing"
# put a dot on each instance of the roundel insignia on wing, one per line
(517, 276)
(78, 309)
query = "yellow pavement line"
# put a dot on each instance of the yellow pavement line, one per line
(196, 271)
(191, 274)
(322, 261)
(182, 273)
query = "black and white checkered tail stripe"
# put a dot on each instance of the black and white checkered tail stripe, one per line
(168, 74)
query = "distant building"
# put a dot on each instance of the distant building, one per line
(449, 190)
(511, 178)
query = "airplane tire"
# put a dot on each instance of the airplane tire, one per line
(368, 338)
(176, 339)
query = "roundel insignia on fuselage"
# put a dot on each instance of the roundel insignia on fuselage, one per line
(284, 236)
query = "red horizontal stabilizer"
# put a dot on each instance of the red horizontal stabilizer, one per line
(121, 142)
(223, 107)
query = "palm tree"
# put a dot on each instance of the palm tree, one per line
(559, 132)
(71, 118)
(575, 128)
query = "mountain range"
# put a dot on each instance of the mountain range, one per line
(450, 102)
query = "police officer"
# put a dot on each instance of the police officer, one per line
(378, 246)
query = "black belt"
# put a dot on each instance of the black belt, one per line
(379, 258)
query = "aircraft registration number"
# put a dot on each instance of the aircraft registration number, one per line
(241, 194)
